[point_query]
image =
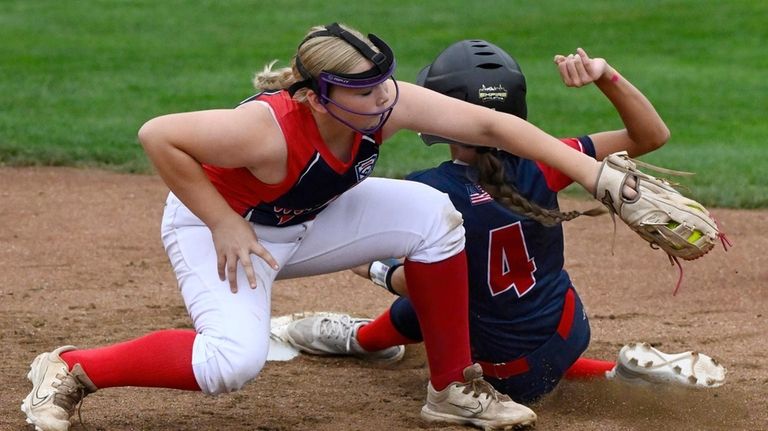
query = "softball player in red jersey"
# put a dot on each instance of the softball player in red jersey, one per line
(277, 188)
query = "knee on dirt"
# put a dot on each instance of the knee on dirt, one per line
(228, 363)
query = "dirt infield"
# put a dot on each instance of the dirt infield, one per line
(82, 263)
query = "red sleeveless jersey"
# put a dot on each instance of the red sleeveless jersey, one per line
(315, 177)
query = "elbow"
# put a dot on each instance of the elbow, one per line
(661, 138)
(146, 132)
(150, 134)
(652, 141)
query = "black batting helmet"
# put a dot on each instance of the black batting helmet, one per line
(478, 72)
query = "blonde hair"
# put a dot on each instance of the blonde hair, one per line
(318, 53)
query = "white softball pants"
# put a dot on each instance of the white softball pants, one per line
(377, 219)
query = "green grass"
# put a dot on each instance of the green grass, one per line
(78, 78)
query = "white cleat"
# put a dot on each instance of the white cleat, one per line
(641, 363)
(55, 391)
(336, 334)
(475, 402)
(280, 349)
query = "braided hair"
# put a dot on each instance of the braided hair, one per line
(491, 178)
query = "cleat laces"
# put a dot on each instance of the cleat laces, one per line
(338, 329)
(70, 394)
(477, 386)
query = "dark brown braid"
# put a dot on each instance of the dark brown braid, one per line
(491, 179)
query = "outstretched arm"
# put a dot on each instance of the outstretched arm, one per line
(644, 130)
(426, 111)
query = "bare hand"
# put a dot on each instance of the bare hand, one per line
(235, 241)
(577, 70)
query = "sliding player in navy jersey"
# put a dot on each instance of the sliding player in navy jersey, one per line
(528, 327)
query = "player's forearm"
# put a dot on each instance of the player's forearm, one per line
(477, 125)
(398, 281)
(185, 177)
(644, 125)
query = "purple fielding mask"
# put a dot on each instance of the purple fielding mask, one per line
(383, 69)
(327, 78)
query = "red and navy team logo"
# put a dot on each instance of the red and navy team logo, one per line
(478, 196)
(364, 168)
(284, 215)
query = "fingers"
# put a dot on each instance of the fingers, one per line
(250, 273)
(562, 67)
(235, 241)
(221, 262)
(582, 69)
(575, 69)
(569, 73)
(583, 54)
(232, 274)
(227, 265)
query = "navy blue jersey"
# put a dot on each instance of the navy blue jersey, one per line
(517, 281)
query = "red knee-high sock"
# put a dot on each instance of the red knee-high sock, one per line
(161, 359)
(439, 294)
(585, 368)
(380, 334)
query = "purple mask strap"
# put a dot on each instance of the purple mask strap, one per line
(383, 114)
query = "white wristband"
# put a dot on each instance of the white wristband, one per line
(380, 272)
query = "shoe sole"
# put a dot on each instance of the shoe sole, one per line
(384, 361)
(487, 425)
(691, 369)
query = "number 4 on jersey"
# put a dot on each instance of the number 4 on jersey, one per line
(509, 265)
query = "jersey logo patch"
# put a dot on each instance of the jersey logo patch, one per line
(285, 215)
(364, 168)
(478, 196)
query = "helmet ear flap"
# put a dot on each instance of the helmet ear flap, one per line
(421, 78)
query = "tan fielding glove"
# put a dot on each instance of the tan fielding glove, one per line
(659, 214)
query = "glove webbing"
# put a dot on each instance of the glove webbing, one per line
(673, 259)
